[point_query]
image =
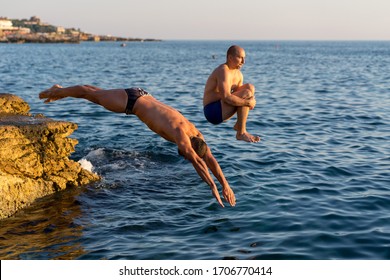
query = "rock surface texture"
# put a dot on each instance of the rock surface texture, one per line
(34, 156)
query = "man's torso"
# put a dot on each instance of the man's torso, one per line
(222, 73)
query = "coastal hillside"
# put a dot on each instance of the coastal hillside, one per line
(33, 30)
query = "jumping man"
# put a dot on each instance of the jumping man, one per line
(161, 119)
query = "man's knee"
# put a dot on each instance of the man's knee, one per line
(251, 88)
(249, 91)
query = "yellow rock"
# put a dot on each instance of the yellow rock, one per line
(34, 156)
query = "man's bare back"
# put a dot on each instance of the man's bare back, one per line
(163, 119)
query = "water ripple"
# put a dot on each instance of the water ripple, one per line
(315, 187)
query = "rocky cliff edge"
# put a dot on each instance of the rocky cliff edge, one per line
(34, 156)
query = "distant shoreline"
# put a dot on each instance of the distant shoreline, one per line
(60, 38)
(43, 40)
(21, 31)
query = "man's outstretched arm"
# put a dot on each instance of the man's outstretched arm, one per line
(203, 172)
(200, 166)
(213, 165)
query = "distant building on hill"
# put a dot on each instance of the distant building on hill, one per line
(7, 28)
(5, 23)
(33, 30)
(60, 30)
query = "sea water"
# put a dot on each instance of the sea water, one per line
(317, 186)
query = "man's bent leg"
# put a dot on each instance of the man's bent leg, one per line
(240, 126)
(246, 92)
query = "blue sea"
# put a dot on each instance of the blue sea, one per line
(317, 186)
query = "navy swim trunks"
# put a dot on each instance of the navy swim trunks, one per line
(132, 95)
(213, 112)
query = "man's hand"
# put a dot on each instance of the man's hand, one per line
(215, 192)
(252, 103)
(229, 196)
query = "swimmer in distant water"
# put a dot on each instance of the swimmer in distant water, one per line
(225, 94)
(160, 118)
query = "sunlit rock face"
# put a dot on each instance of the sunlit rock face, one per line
(34, 156)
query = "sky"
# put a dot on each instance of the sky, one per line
(214, 19)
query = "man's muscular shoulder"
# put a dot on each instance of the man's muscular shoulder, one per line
(222, 71)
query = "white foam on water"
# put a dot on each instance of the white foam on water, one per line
(85, 164)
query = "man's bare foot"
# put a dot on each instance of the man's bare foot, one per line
(50, 94)
(248, 137)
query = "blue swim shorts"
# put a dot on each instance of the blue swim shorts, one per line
(213, 112)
